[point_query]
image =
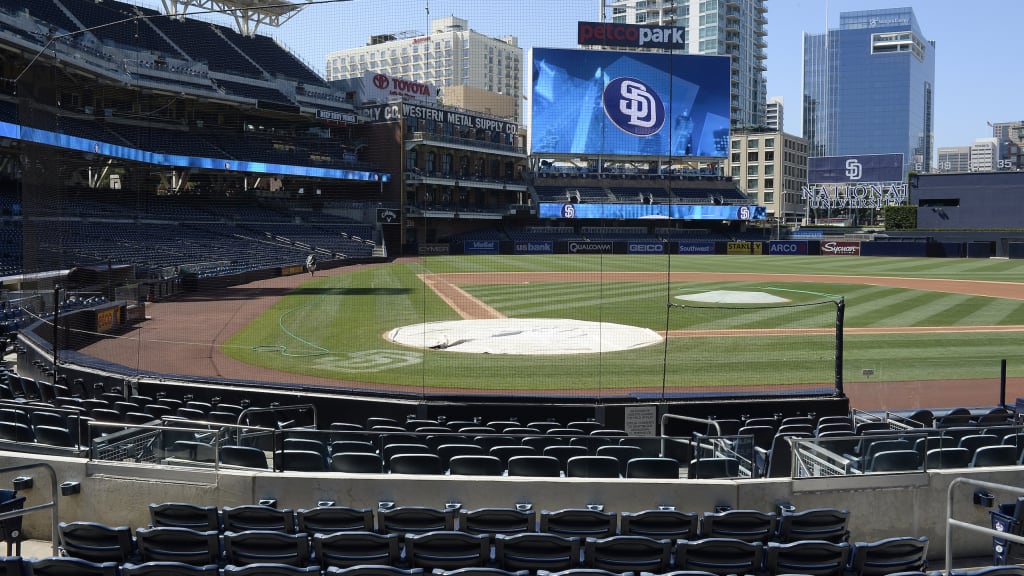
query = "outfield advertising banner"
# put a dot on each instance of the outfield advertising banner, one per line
(696, 247)
(628, 103)
(638, 211)
(645, 248)
(535, 247)
(855, 169)
(584, 247)
(480, 247)
(743, 248)
(788, 247)
(840, 248)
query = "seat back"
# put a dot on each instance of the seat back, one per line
(184, 515)
(536, 551)
(947, 458)
(540, 466)
(828, 524)
(1001, 455)
(627, 554)
(578, 522)
(257, 517)
(659, 524)
(811, 557)
(476, 465)
(355, 548)
(96, 542)
(665, 468)
(901, 554)
(447, 550)
(494, 521)
(169, 569)
(329, 519)
(746, 525)
(414, 520)
(720, 556)
(266, 547)
(247, 456)
(357, 462)
(65, 566)
(167, 544)
(895, 461)
(592, 467)
(416, 464)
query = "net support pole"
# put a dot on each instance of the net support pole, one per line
(840, 311)
(1002, 383)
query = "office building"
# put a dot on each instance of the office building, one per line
(734, 27)
(771, 167)
(953, 159)
(773, 118)
(452, 57)
(868, 87)
(1011, 144)
(984, 155)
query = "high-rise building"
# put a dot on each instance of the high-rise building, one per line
(452, 57)
(1011, 144)
(984, 155)
(773, 117)
(732, 27)
(953, 159)
(868, 87)
(771, 167)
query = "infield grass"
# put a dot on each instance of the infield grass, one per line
(332, 327)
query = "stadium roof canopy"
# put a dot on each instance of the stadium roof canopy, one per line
(248, 14)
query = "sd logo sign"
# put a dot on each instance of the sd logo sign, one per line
(633, 106)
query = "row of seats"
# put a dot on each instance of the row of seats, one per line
(446, 549)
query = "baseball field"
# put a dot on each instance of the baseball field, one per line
(905, 320)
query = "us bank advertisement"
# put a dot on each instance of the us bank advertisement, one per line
(628, 103)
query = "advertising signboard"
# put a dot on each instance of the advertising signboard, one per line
(628, 103)
(743, 248)
(651, 211)
(855, 169)
(840, 248)
(630, 35)
(701, 247)
(480, 247)
(535, 247)
(788, 247)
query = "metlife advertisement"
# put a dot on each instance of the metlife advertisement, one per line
(628, 103)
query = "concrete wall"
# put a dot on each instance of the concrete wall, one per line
(880, 506)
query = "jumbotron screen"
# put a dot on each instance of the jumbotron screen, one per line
(628, 103)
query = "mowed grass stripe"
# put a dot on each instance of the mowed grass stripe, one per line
(912, 308)
(993, 312)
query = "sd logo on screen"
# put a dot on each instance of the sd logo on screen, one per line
(633, 106)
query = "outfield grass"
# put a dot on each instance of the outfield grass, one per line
(333, 327)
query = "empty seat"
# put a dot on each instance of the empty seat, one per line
(96, 542)
(248, 456)
(539, 466)
(168, 544)
(300, 461)
(378, 570)
(536, 551)
(660, 524)
(623, 453)
(184, 515)
(476, 465)
(828, 524)
(938, 458)
(446, 550)
(627, 554)
(65, 566)
(1001, 455)
(505, 452)
(414, 520)
(169, 569)
(665, 468)
(416, 464)
(579, 522)
(746, 525)
(811, 557)
(269, 569)
(889, 555)
(592, 467)
(355, 548)
(711, 468)
(329, 519)
(895, 461)
(720, 556)
(494, 521)
(257, 517)
(357, 462)
(266, 546)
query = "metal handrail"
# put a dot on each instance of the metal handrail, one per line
(951, 522)
(51, 505)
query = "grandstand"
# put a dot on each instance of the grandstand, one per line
(167, 158)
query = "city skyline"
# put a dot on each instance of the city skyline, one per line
(974, 83)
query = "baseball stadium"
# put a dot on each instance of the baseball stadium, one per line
(258, 319)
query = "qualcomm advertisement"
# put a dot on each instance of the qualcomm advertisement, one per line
(628, 103)
(651, 211)
(854, 169)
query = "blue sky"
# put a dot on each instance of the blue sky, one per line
(977, 43)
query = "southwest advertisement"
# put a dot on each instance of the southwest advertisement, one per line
(628, 103)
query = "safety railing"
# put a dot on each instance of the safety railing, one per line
(51, 505)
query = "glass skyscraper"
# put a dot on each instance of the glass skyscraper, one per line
(869, 87)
